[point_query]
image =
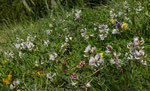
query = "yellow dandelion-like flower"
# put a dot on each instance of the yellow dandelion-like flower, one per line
(5, 61)
(40, 73)
(113, 21)
(9, 77)
(101, 54)
(125, 26)
(7, 81)
(18, 90)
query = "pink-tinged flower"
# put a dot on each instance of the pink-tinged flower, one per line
(92, 61)
(109, 48)
(82, 63)
(73, 76)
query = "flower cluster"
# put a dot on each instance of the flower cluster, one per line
(136, 51)
(139, 9)
(21, 45)
(88, 50)
(7, 80)
(14, 84)
(65, 45)
(115, 57)
(84, 33)
(97, 60)
(53, 56)
(77, 14)
(103, 29)
(50, 75)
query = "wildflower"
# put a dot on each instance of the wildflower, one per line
(125, 4)
(112, 61)
(84, 33)
(118, 24)
(109, 48)
(77, 14)
(46, 43)
(40, 73)
(9, 77)
(115, 31)
(17, 82)
(136, 50)
(82, 63)
(124, 26)
(103, 29)
(92, 61)
(18, 90)
(49, 31)
(73, 76)
(12, 86)
(73, 83)
(5, 61)
(50, 76)
(88, 85)
(101, 54)
(88, 49)
(97, 60)
(7, 81)
(113, 21)
(53, 56)
(50, 25)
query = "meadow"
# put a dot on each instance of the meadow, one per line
(101, 48)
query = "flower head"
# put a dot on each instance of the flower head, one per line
(113, 21)
(125, 26)
(101, 54)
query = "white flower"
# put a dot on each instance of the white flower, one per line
(112, 61)
(92, 61)
(12, 86)
(97, 57)
(88, 85)
(17, 82)
(50, 75)
(30, 46)
(49, 32)
(88, 49)
(17, 46)
(115, 31)
(46, 43)
(93, 49)
(73, 83)
(53, 56)
(77, 14)
(101, 61)
(50, 25)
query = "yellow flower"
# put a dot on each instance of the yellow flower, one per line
(5, 61)
(113, 21)
(125, 26)
(101, 54)
(31, 25)
(40, 73)
(9, 77)
(18, 90)
(7, 81)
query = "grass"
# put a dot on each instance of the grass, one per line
(36, 69)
